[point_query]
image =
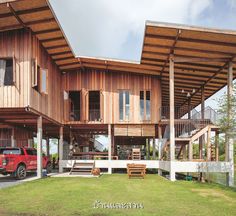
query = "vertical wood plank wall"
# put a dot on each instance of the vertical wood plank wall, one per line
(16, 44)
(49, 104)
(110, 83)
(25, 46)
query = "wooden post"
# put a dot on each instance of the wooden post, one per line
(172, 116)
(60, 149)
(47, 147)
(184, 153)
(39, 146)
(109, 149)
(13, 143)
(217, 145)
(159, 147)
(230, 142)
(148, 148)
(209, 144)
(153, 148)
(202, 138)
(190, 151)
(189, 108)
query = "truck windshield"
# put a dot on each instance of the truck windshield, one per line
(13, 151)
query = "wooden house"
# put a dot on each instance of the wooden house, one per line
(48, 92)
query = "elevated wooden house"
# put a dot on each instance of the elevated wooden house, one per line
(46, 90)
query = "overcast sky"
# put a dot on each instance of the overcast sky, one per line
(115, 28)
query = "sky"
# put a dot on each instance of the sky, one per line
(115, 28)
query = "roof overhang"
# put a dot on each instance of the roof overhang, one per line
(201, 54)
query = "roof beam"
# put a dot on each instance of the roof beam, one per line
(42, 21)
(54, 55)
(149, 45)
(196, 59)
(23, 12)
(47, 31)
(56, 47)
(171, 50)
(52, 39)
(16, 15)
(219, 43)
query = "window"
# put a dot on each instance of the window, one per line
(74, 103)
(29, 151)
(12, 151)
(124, 105)
(6, 72)
(145, 105)
(44, 81)
(39, 77)
(94, 106)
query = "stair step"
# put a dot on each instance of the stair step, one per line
(79, 173)
(87, 167)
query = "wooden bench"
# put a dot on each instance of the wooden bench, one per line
(136, 170)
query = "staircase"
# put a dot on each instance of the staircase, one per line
(187, 131)
(82, 168)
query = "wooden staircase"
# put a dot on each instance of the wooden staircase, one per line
(82, 168)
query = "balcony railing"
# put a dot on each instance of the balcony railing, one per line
(18, 142)
(180, 112)
(94, 115)
(5, 142)
(75, 115)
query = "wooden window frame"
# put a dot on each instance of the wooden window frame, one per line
(15, 71)
(34, 73)
(41, 81)
(145, 106)
(124, 105)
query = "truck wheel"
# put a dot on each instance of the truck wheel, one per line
(49, 168)
(21, 172)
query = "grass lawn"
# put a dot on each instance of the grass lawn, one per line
(76, 196)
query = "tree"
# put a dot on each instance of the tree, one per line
(226, 122)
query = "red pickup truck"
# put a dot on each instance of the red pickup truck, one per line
(19, 161)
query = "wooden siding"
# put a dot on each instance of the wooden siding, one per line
(25, 47)
(16, 44)
(109, 83)
(49, 104)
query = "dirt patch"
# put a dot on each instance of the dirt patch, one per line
(214, 193)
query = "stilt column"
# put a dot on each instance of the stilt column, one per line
(230, 142)
(39, 146)
(60, 148)
(172, 116)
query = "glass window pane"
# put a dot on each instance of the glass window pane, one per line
(121, 109)
(142, 105)
(148, 105)
(127, 105)
(44, 81)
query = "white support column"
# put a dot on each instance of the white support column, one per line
(60, 148)
(202, 138)
(109, 149)
(217, 145)
(159, 147)
(13, 143)
(39, 146)
(172, 116)
(230, 142)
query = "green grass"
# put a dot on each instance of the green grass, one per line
(76, 196)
